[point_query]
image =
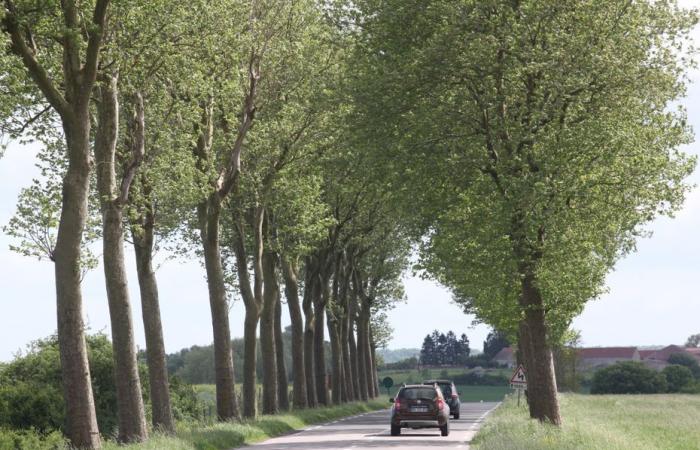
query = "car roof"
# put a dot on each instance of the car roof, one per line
(414, 386)
(437, 381)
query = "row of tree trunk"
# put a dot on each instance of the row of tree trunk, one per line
(331, 296)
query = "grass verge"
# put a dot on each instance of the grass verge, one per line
(221, 436)
(598, 422)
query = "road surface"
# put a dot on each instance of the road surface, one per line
(371, 431)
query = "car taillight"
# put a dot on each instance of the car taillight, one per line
(397, 403)
(440, 404)
(454, 396)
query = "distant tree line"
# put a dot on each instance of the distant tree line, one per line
(444, 349)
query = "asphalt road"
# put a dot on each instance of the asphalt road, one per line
(371, 431)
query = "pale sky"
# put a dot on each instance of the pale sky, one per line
(653, 294)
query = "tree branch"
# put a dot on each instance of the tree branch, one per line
(95, 34)
(10, 24)
(138, 147)
(228, 175)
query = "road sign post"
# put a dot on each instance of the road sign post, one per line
(388, 382)
(518, 381)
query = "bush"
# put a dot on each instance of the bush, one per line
(684, 359)
(184, 401)
(628, 377)
(678, 377)
(31, 392)
(31, 440)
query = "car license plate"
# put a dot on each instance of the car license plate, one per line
(419, 409)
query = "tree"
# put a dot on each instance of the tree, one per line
(494, 343)
(525, 142)
(59, 47)
(693, 340)
(686, 360)
(427, 351)
(677, 377)
(628, 377)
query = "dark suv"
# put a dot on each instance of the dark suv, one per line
(449, 391)
(419, 406)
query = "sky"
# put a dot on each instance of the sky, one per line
(652, 296)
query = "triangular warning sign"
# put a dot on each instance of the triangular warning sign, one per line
(519, 376)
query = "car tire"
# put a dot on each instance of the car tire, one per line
(445, 429)
(395, 430)
(456, 416)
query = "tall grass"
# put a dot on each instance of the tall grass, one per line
(220, 436)
(202, 436)
(599, 422)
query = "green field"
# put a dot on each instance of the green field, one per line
(599, 422)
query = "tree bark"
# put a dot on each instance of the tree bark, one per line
(362, 358)
(81, 420)
(209, 212)
(250, 328)
(130, 409)
(267, 335)
(289, 271)
(345, 332)
(142, 234)
(252, 299)
(282, 381)
(354, 361)
(320, 296)
(310, 284)
(375, 376)
(542, 385)
(336, 359)
(367, 353)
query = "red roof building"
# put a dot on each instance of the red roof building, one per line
(596, 357)
(505, 357)
(658, 359)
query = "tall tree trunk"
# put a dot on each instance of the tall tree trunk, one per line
(142, 235)
(375, 376)
(322, 290)
(367, 353)
(291, 286)
(252, 299)
(81, 420)
(209, 213)
(310, 284)
(336, 359)
(542, 385)
(267, 335)
(250, 328)
(344, 299)
(362, 358)
(354, 361)
(130, 409)
(347, 386)
(282, 381)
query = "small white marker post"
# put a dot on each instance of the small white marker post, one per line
(518, 381)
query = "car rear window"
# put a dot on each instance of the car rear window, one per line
(417, 393)
(446, 389)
